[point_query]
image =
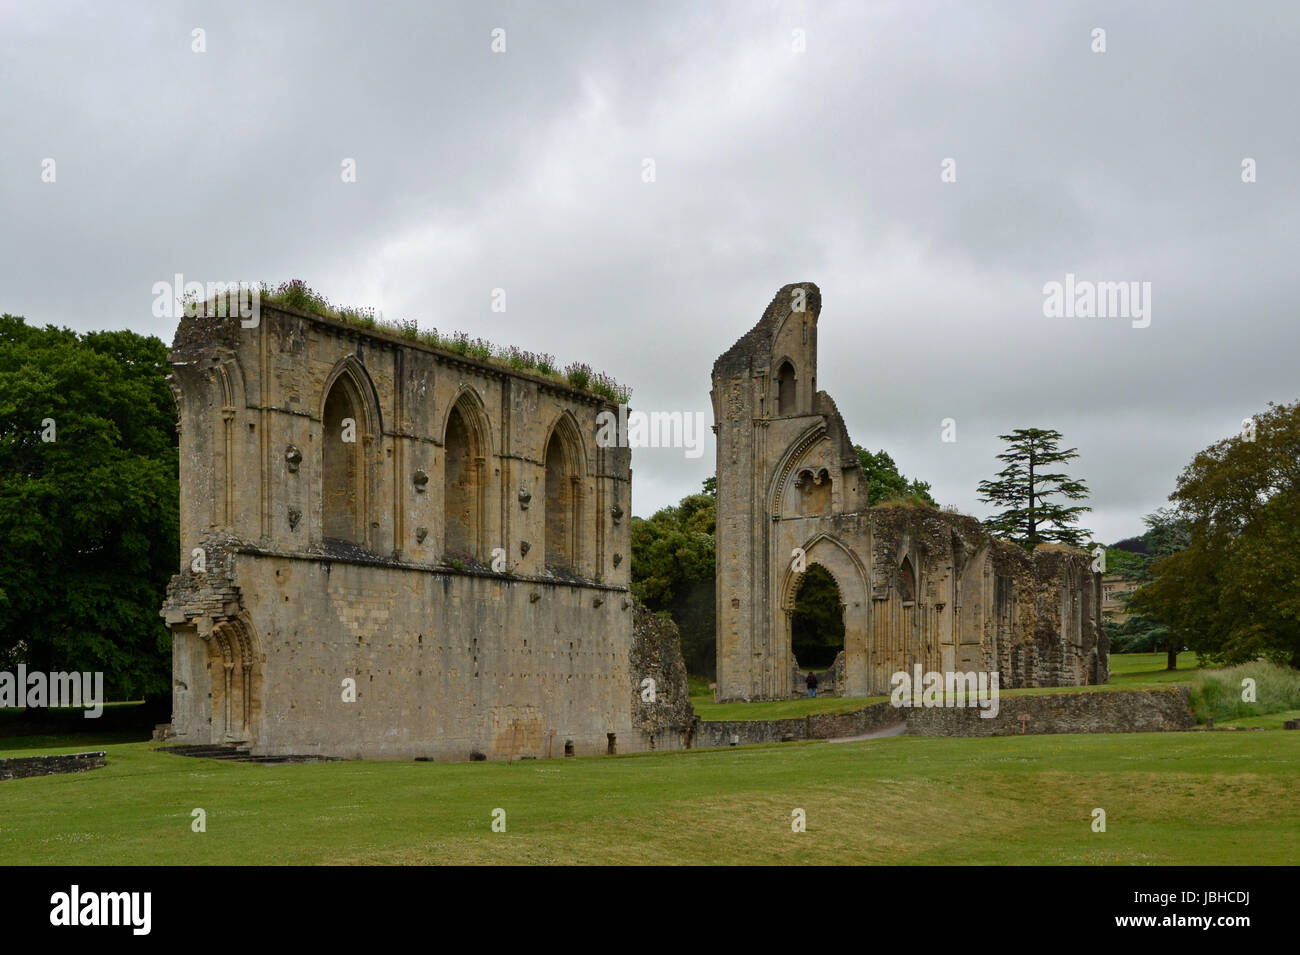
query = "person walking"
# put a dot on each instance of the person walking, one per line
(812, 683)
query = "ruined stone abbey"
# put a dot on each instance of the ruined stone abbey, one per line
(392, 550)
(918, 586)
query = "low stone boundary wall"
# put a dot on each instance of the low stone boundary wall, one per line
(19, 767)
(814, 726)
(1102, 711)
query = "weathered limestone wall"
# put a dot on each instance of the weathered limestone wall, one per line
(249, 398)
(445, 665)
(343, 491)
(669, 722)
(1109, 711)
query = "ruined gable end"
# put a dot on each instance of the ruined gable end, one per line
(917, 586)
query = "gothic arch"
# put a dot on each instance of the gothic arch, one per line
(564, 467)
(470, 405)
(235, 673)
(566, 425)
(347, 452)
(350, 366)
(852, 579)
(785, 469)
(230, 379)
(787, 387)
(907, 583)
(466, 447)
(841, 561)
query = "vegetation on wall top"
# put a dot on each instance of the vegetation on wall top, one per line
(298, 294)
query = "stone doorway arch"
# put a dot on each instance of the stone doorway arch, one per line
(851, 578)
(235, 668)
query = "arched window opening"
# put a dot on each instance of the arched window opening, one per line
(906, 580)
(817, 626)
(462, 489)
(341, 441)
(561, 507)
(814, 491)
(785, 386)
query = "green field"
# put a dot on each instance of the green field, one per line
(1170, 799)
(1185, 798)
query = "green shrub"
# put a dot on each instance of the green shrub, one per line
(579, 375)
(1217, 693)
(298, 294)
(481, 349)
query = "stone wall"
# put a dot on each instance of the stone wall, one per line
(816, 726)
(669, 721)
(444, 665)
(1109, 711)
(442, 532)
(20, 767)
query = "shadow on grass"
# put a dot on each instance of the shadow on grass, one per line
(27, 729)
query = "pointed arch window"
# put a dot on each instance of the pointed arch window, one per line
(563, 498)
(342, 494)
(907, 580)
(464, 460)
(785, 389)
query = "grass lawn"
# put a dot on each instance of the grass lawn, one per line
(1146, 670)
(1128, 671)
(1176, 798)
(1264, 721)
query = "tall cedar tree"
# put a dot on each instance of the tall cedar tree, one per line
(1025, 488)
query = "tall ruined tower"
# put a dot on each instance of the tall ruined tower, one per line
(917, 586)
(770, 418)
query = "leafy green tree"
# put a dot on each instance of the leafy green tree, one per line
(1233, 594)
(885, 483)
(1166, 534)
(673, 572)
(1027, 489)
(1126, 563)
(89, 504)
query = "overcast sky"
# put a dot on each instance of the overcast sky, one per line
(523, 170)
